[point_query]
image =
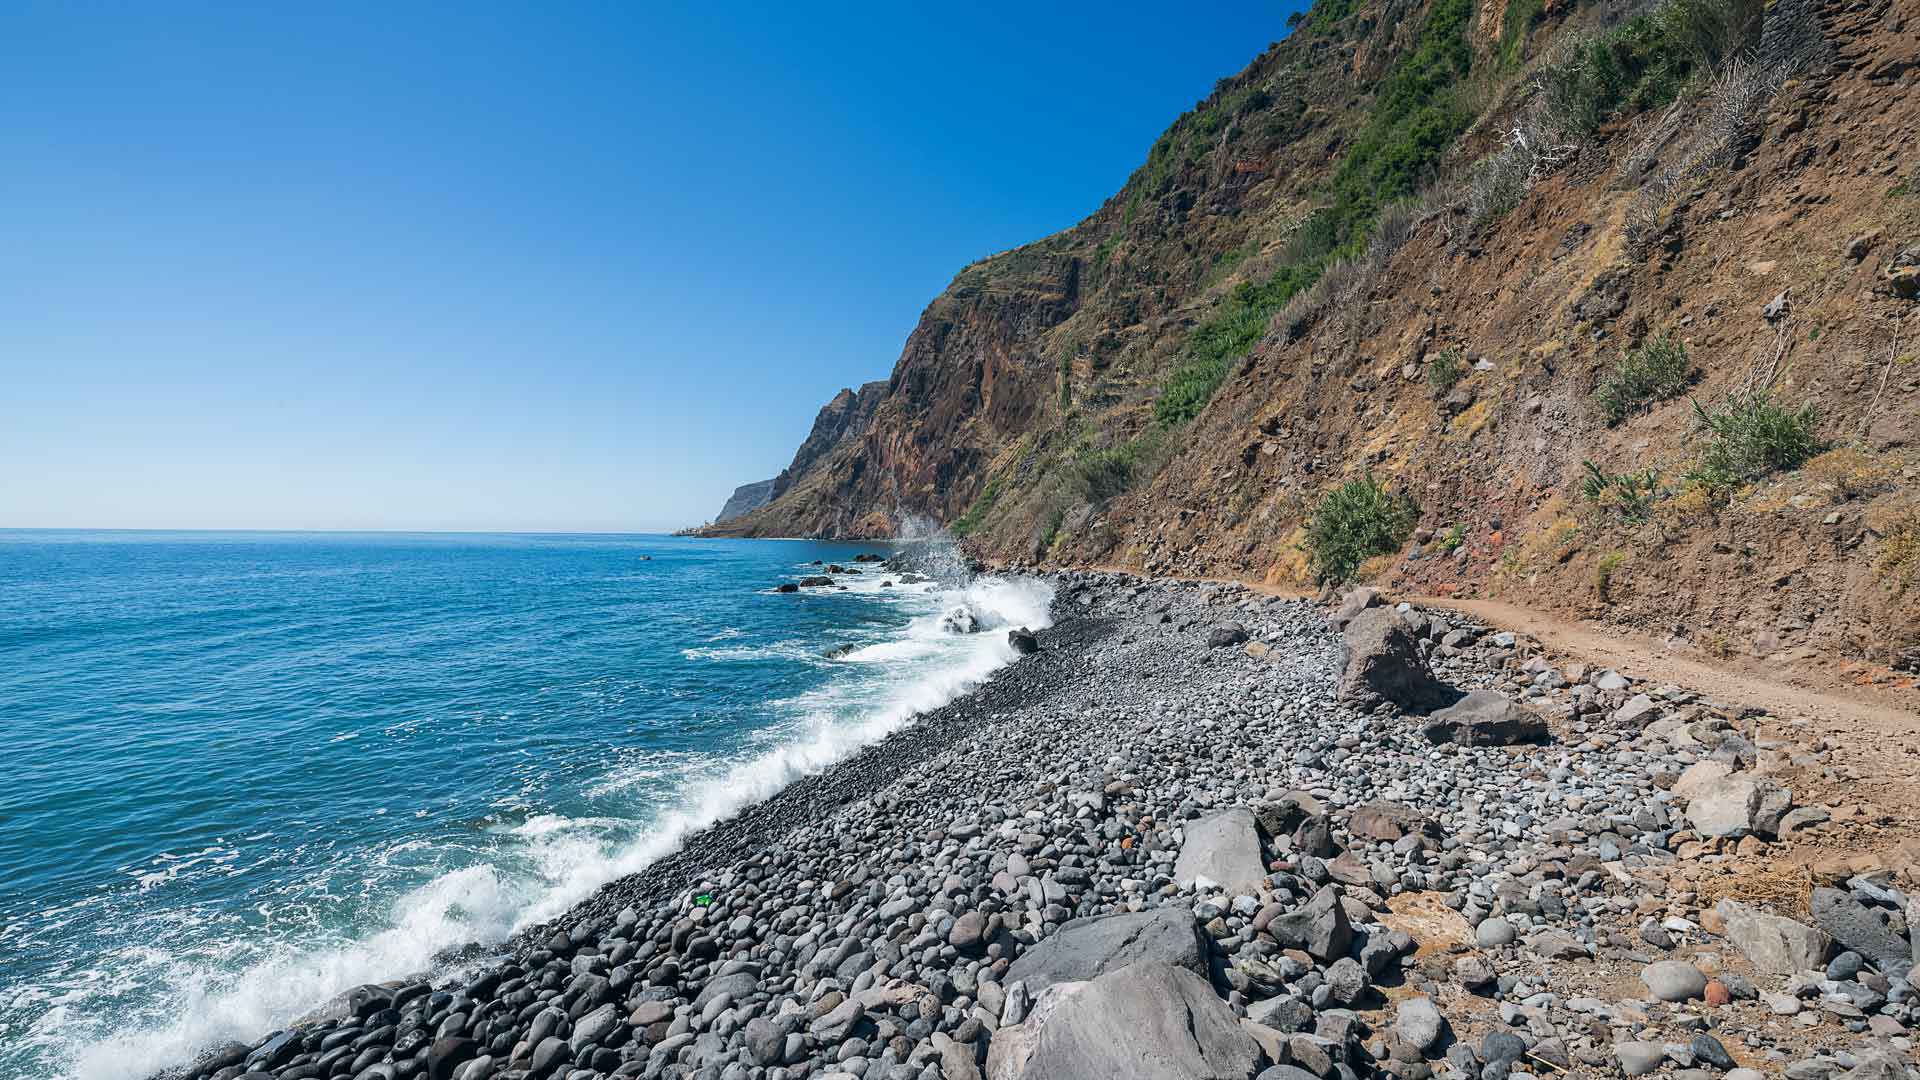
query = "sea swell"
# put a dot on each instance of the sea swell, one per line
(525, 865)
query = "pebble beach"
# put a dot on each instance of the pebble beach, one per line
(1202, 833)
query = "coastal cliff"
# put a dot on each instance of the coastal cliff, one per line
(1617, 303)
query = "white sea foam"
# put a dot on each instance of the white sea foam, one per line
(564, 859)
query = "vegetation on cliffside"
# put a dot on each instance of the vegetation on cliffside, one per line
(1665, 246)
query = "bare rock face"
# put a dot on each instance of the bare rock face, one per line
(1486, 718)
(1381, 662)
(1739, 805)
(1774, 944)
(1088, 948)
(746, 499)
(1148, 1019)
(1222, 848)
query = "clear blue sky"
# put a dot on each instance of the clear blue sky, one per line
(515, 266)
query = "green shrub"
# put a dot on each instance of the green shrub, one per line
(1456, 535)
(1603, 572)
(1066, 383)
(1646, 61)
(1354, 522)
(1414, 118)
(1628, 495)
(1107, 472)
(1051, 532)
(1218, 343)
(1445, 370)
(1327, 15)
(1658, 370)
(1751, 437)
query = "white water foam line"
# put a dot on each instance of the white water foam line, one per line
(886, 686)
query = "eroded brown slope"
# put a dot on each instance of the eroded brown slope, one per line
(1033, 358)
(1805, 564)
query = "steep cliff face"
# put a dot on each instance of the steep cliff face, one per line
(839, 424)
(745, 499)
(1423, 242)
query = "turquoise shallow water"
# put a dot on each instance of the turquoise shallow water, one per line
(245, 770)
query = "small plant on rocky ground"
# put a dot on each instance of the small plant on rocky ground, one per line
(1630, 496)
(1445, 370)
(1898, 565)
(1051, 531)
(1354, 522)
(1603, 572)
(1456, 536)
(1854, 473)
(1751, 437)
(1658, 370)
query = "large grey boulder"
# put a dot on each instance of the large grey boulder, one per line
(1088, 948)
(1146, 1020)
(1774, 944)
(1485, 718)
(1356, 602)
(1224, 849)
(1320, 928)
(1739, 805)
(1418, 1024)
(1862, 929)
(1380, 662)
(1014, 1042)
(1674, 980)
(1700, 776)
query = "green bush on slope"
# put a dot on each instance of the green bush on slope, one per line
(1354, 522)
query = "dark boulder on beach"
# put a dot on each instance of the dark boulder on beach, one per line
(815, 581)
(448, 1054)
(1381, 663)
(1150, 1012)
(786, 586)
(1485, 718)
(1088, 948)
(1226, 634)
(1023, 641)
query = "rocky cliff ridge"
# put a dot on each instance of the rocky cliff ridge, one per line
(1367, 254)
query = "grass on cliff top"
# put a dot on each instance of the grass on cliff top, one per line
(1413, 120)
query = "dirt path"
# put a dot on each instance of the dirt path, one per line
(1872, 730)
(1814, 694)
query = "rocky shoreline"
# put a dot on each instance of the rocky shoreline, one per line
(1202, 833)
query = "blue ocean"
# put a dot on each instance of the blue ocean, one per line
(245, 770)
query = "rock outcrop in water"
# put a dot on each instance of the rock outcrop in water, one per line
(1013, 887)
